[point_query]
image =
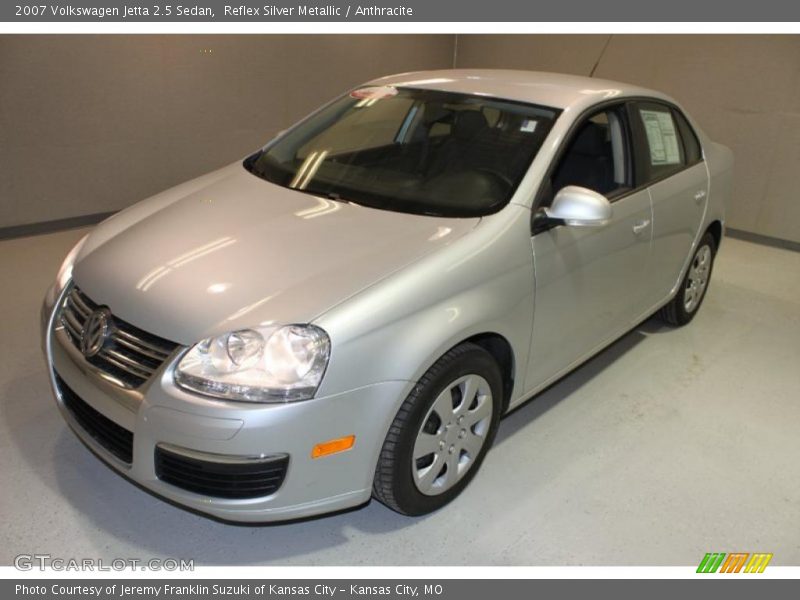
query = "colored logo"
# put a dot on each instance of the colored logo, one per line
(735, 562)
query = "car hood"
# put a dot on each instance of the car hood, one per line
(230, 250)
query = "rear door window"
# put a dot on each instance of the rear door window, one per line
(660, 151)
(664, 141)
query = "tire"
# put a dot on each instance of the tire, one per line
(684, 306)
(419, 485)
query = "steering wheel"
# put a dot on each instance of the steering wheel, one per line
(502, 177)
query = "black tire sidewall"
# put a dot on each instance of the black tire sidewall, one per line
(475, 361)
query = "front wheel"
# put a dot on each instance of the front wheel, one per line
(683, 307)
(441, 433)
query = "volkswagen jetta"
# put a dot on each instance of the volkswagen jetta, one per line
(348, 312)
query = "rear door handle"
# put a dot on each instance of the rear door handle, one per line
(698, 196)
(640, 226)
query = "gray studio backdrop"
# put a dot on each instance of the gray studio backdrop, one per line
(91, 124)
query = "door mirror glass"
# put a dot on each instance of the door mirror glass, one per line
(579, 207)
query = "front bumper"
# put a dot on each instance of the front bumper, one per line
(160, 414)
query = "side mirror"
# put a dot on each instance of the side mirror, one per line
(579, 207)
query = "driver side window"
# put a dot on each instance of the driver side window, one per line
(596, 157)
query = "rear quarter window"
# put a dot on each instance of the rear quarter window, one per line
(691, 145)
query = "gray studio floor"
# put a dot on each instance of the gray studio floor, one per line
(670, 444)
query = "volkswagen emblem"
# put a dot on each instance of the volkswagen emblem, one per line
(95, 331)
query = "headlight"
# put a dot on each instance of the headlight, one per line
(278, 364)
(65, 271)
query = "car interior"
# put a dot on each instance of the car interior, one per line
(595, 158)
(453, 155)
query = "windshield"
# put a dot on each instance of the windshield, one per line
(410, 150)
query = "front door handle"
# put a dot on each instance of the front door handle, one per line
(698, 196)
(640, 226)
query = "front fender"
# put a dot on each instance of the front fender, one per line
(482, 283)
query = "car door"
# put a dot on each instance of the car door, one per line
(670, 162)
(588, 280)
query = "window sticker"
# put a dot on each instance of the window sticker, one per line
(661, 137)
(528, 126)
(373, 93)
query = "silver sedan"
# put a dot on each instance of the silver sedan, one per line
(348, 312)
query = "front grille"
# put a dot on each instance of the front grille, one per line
(129, 355)
(224, 478)
(115, 439)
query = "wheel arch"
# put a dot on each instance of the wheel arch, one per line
(716, 230)
(501, 350)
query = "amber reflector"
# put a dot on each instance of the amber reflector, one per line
(333, 446)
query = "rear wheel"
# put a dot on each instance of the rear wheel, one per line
(684, 306)
(441, 433)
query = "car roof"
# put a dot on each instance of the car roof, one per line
(555, 90)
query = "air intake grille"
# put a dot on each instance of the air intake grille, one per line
(129, 355)
(115, 439)
(224, 479)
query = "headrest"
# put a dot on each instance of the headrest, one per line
(468, 123)
(590, 140)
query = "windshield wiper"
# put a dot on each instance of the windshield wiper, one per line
(335, 196)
